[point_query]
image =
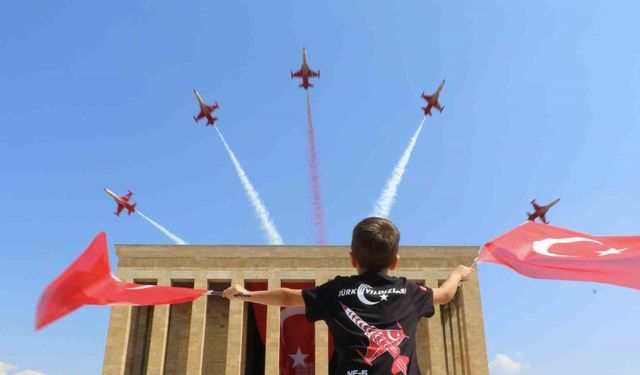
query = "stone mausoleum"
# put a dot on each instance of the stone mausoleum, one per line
(212, 336)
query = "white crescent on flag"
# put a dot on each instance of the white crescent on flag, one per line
(287, 313)
(542, 247)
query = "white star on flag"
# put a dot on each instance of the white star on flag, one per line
(383, 297)
(610, 251)
(298, 358)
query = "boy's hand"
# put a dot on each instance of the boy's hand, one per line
(464, 272)
(445, 293)
(236, 291)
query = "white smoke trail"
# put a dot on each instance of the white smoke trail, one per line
(387, 198)
(261, 211)
(164, 230)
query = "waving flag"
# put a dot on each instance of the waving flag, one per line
(89, 281)
(297, 334)
(547, 252)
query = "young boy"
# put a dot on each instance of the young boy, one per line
(372, 316)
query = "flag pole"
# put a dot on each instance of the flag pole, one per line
(221, 294)
(473, 266)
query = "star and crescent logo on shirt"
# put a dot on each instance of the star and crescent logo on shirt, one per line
(369, 296)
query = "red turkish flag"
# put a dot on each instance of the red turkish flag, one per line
(297, 338)
(89, 281)
(297, 334)
(547, 252)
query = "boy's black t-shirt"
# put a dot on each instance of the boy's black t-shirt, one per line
(373, 319)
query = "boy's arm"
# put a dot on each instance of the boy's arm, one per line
(445, 293)
(274, 297)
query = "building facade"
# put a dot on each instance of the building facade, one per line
(213, 336)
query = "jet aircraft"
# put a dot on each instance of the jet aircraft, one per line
(541, 211)
(305, 72)
(122, 202)
(381, 341)
(205, 110)
(432, 101)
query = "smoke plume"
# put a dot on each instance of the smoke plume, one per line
(318, 212)
(387, 198)
(273, 237)
(164, 230)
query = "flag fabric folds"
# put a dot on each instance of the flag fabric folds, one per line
(548, 252)
(89, 281)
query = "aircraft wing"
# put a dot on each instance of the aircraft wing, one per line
(373, 352)
(120, 207)
(200, 115)
(313, 74)
(426, 97)
(297, 74)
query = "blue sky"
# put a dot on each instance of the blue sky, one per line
(541, 102)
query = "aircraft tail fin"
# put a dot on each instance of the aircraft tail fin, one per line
(400, 365)
(133, 208)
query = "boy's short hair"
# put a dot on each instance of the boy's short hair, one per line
(374, 243)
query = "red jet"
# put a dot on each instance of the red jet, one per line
(541, 211)
(381, 341)
(305, 72)
(205, 110)
(122, 201)
(432, 101)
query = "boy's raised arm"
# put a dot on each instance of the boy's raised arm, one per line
(445, 293)
(274, 297)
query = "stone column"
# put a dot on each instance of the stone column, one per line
(322, 343)
(454, 336)
(272, 344)
(115, 355)
(437, 355)
(422, 342)
(236, 333)
(159, 329)
(462, 332)
(474, 327)
(197, 329)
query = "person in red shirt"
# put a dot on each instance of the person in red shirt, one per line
(372, 316)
